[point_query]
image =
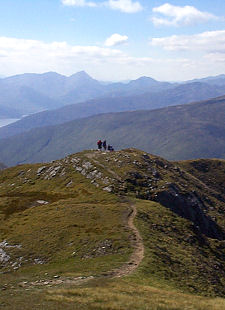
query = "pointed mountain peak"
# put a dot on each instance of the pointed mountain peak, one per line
(81, 75)
(82, 78)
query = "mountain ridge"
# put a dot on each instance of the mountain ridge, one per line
(178, 132)
(52, 90)
(64, 226)
(181, 94)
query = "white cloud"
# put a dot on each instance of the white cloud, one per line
(177, 16)
(20, 55)
(78, 3)
(104, 63)
(115, 39)
(126, 6)
(210, 41)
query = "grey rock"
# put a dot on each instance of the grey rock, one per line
(83, 172)
(4, 257)
(75, 160)
(108, 189)
(98, 175)
(42, 202)
(79, 169)
(38, 261)
(54, 171)
(5, 244)
(69, 184)
(40, 170)
(87, 165)
(105, 181)
(63, 172)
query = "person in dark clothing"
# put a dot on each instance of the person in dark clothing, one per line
(110, 148)
(104, 145)
(99, 144)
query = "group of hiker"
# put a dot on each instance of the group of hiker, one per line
(104, 145)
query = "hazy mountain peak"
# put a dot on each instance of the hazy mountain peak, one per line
(52, 74)
(81, 75)
(145, 78)
(144, 81)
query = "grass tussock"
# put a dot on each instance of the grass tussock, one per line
(122, 294)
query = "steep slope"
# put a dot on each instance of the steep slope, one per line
(179, 132)
(209, 171)
(175, 95)
(66, 222)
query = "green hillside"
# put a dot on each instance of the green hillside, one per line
(209, 171)
(118, 100)
(72, 233)
(176, 133)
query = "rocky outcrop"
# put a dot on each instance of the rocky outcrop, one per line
(152, 178)
(190, 206)
(5, 259)
(144, 176)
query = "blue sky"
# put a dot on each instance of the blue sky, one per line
(113, 39)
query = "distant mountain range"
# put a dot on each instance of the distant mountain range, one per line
(212, 80)
(179, 132)
(31, 93)
(179, 94)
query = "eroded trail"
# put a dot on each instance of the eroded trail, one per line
(138, 253)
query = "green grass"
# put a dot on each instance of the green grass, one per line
(107, 295)
(66, 232)
(177, 256)
(123, 294)
(82, 231)
(209, 171)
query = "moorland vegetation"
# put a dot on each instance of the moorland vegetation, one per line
(65, 238)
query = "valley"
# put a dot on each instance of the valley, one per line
(51, 98)
(187, 131)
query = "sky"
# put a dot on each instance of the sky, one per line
(113, 40)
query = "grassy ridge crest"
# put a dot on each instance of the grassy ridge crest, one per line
(68, 218)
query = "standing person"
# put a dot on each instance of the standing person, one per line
(104, 145)
(99, 144)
